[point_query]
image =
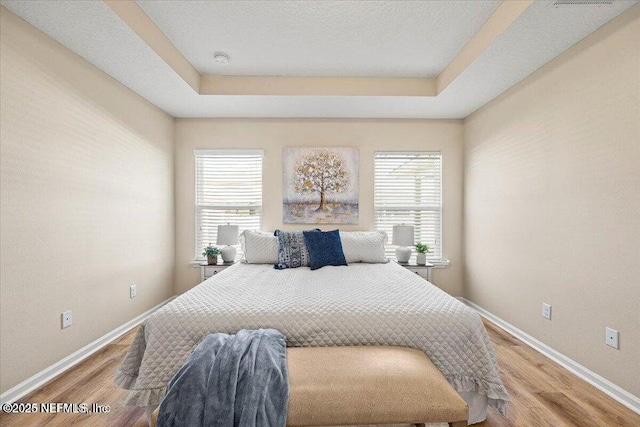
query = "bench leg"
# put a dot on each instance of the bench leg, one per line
(458, 424)
(151, 416)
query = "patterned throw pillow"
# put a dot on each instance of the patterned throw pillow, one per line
(292, 250)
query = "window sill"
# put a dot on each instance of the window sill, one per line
(439, 263)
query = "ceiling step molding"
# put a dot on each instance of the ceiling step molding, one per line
(316, 86)
(141, 24)
(501, 19)
(133, 15)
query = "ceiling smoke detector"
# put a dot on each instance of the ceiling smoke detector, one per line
(221, 58)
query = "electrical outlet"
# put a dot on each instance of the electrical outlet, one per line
(546, 310)
(132, 291)
(67, 319)
(611, 337)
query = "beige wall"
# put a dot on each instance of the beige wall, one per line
(272, 135)
(86, 202)
(552, 198)
(552, 202)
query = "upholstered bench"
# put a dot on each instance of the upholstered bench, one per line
(368, 385)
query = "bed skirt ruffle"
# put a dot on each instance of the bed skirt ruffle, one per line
(148, 397)
(494, 392)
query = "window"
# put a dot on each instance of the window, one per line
(408, 189)
(228, 190)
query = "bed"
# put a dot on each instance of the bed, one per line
(359, 304)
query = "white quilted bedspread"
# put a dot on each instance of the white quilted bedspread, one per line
(362, 304)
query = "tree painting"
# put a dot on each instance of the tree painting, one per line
(320, 185)
(321, 172)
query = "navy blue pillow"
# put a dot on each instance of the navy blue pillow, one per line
(325, 248)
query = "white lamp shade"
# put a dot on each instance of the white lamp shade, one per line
(227, 235)
(403, 235)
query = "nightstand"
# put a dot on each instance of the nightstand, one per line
(207, 271)
(423, 271)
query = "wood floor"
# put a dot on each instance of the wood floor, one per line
(542, 392)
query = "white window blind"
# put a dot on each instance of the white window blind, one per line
(408, 189)
(228, 190)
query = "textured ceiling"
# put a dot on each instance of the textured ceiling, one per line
(321, 38)
(92, 30)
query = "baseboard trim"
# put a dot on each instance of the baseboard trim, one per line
(627, 399)
(47, 374)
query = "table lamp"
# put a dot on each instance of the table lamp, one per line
(403, 237)
(227, 235)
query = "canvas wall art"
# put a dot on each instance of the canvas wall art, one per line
(320, 185)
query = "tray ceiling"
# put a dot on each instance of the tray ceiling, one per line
(314, 39)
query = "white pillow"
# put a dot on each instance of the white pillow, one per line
(259, 247)
(364, 246)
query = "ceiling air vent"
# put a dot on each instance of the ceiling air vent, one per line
(558, 3)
